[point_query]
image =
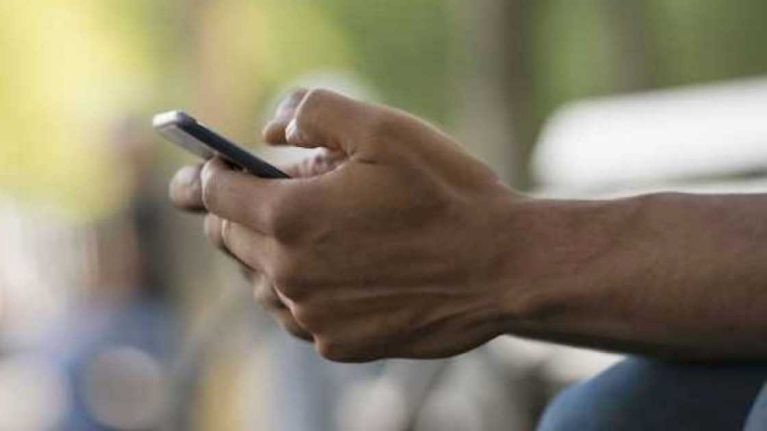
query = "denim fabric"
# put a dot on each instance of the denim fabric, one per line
(757, 419)
(643, 394)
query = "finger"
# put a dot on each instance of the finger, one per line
(185, 189)
(266, 296)
(214, 227)
(274, 132)
(224, 235)
(250, 248)
(269, 206)
(315, 164)
(289, 303)
(287, 321)
(264, 292)
(327, 119)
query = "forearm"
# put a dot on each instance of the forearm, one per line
(669, 274)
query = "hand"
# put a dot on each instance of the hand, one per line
(391, 244)
(186, 194)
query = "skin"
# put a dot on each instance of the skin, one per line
(394, 242)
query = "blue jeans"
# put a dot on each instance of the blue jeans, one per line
(643, 394)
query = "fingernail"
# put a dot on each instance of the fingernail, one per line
(188, 175)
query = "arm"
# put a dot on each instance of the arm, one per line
(396, 243)
(672, 275)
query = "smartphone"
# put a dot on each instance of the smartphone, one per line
(183, 130)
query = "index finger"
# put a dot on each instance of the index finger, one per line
(264, 205)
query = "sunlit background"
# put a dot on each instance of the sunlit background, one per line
(116, 315)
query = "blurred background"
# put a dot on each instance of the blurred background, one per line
(116, 315)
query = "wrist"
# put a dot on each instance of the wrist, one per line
(560, 257)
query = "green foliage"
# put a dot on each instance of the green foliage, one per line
(75, 72)
(570, 53)
(404, 48)
(708, 40)
(76, 68)
(576, 47)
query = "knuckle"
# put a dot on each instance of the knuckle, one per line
(264, 295)
(210, 188)
(225, 233)
(334, 350)
(308, 318)
(296, 330)
(284, 219)
(317, 96)
(313, 101)
(286, 273)
(344, 350)
(285, 318)
(213, 231)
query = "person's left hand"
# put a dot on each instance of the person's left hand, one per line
(186, 194)
(393, 243)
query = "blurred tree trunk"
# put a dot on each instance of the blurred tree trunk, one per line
(633, 57)
(498, 121)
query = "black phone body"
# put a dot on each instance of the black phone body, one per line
(183, 130)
